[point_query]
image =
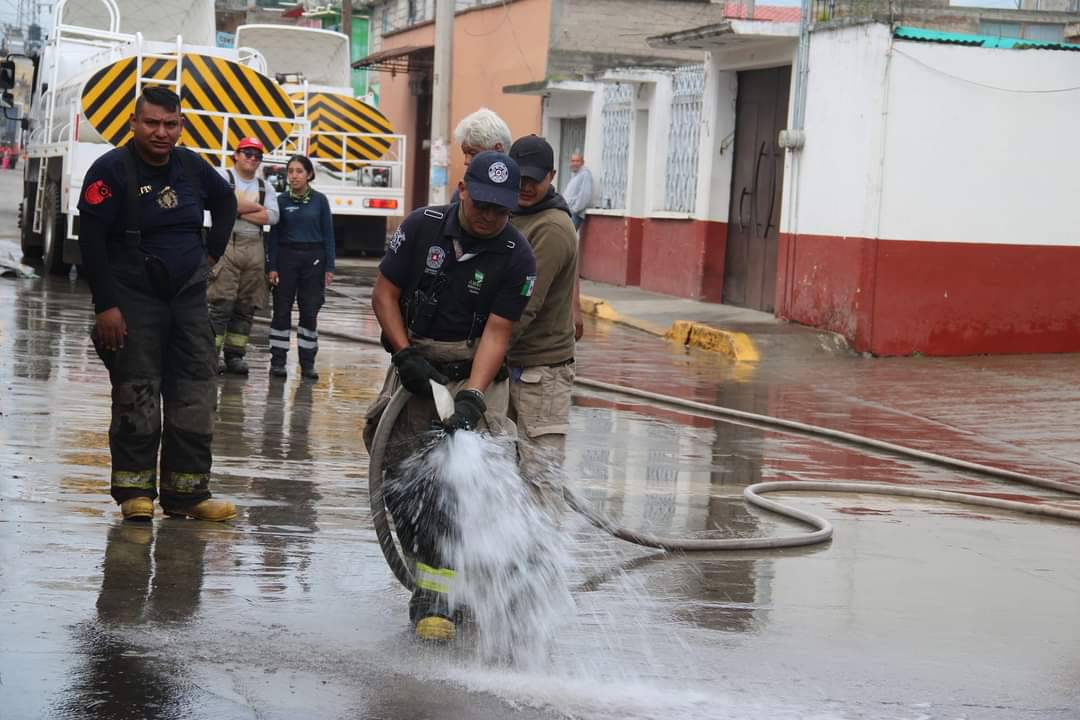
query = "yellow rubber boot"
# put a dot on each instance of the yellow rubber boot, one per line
(138, 508)
(212, 510)
(435, 629)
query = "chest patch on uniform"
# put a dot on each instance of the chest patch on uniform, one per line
(436, 256)
(167, 198)
(476, 282)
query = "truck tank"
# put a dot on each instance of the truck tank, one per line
(96, 60)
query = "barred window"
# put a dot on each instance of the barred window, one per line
(617, 115)
(683, 136)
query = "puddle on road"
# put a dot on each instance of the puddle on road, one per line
(292, 607)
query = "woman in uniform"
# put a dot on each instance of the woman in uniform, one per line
(300, 266)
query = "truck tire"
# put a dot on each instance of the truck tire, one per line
(53, 234)
(30, 240)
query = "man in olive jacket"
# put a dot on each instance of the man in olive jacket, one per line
(541, 353)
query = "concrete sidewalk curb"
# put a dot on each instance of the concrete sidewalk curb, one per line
(735, 345)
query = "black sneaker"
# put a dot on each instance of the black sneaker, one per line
(278, 371)
(309, 373)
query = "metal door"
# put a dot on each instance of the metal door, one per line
(571, 140)
(756, 187)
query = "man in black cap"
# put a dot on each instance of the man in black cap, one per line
(542, 347)
(453, 282)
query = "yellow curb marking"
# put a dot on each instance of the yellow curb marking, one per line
(735, 345)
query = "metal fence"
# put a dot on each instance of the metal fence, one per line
(617, 117)
(683, 136)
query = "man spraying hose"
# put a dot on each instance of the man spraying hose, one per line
(452, 284)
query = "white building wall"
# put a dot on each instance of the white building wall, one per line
(982, 145)
(717, 145)
(838, 171)
(930, 142)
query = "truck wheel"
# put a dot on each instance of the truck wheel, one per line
(53, 233)
(30, 240)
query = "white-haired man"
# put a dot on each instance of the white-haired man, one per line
(480, 131)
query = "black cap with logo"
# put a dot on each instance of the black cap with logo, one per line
(493, 177)
(534, 155)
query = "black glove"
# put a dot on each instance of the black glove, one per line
(415, 371)
(469, 407)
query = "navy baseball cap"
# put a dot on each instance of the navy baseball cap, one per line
(534, 155)
(493, 177)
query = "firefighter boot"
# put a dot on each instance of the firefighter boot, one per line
(212, 510)
(235, 364)
(138, 508)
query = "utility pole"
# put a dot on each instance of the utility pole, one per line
(440, 100)
(346, 26)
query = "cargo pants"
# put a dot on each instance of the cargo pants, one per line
(421, 523)
(237, 290)
(167, 363)
(540, 408)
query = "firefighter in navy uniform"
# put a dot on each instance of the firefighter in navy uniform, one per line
(452, 284)
(141, 236)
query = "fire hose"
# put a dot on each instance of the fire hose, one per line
(821, 529)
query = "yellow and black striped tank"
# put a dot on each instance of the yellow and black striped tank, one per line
(333, 116)
(213, 92)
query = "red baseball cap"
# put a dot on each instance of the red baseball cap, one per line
(250, 142)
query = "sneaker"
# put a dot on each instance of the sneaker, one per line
(138, 508)
(236, 365)
(212, 510)
(278, 371)
(309, 373)
(435, 628)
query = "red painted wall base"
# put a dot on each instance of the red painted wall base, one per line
(896, 297)
(611, 249)
(684, 258)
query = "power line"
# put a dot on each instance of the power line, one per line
(976, 83)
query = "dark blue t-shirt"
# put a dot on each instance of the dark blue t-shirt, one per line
(501, 268)
(171, 217)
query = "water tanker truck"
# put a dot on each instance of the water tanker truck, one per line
(360, 161)
(97, 58)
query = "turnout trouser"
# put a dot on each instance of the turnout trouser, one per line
(421, 520)
(301, 278)
(167, 360)
(237, 290)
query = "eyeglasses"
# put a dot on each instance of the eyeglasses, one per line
(251, 154)
(492, 208)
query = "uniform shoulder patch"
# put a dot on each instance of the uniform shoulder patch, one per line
(397, 239)
(97, 192)
(528, 285)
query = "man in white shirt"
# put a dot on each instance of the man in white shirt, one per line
(578, 192)
(238, 280)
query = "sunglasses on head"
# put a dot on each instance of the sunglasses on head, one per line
(251, 154)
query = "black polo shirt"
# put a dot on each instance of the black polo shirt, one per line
(501, 268)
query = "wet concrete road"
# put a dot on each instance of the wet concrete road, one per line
(915, 610)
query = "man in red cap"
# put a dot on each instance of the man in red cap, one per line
(238, 281)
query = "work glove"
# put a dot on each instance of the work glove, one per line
(469, 407)
(415, 371)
